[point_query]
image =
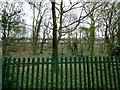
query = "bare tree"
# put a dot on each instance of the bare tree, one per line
(65, 11)
(43, 38)
(10, 22)
(110, 24)
(92, 19)
(37, 22)
(118, 33)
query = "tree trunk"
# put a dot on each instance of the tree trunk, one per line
(92, 36)
(54, 40)
(34, 41)
(4, 47)
(61, 16)
(43, 41)
(118, 33)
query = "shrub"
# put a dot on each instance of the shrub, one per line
(115, 50)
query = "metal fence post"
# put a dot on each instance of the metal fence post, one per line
(0, 72)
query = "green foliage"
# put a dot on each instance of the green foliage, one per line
(115, 51)
(85, 28)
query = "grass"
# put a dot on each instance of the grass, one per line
(62, 51)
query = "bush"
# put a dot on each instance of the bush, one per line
(115, 51)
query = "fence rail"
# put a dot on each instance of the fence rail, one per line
(78, 72)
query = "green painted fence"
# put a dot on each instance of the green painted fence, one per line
(73, 72)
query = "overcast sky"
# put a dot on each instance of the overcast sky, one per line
(28, 11)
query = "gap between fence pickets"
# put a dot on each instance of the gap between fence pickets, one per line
(0, 73)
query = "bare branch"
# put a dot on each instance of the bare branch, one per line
(81, 18)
